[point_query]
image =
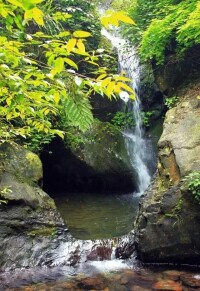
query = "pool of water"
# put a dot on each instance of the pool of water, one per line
(97, 216)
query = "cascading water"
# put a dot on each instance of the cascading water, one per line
(136, 144)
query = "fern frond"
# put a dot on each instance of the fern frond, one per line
(77, 112)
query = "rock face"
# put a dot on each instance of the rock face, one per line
(99, 164)
(29, 220)
(150, 95)
(167, 226)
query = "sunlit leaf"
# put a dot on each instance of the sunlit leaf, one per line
(105, 82)
(126, 87)
(16, 3)
(71, 44)
(80, 52)
(64, 33)
(124, 18)
(81, 34)
(59, 64)
(38, 16)
(81, 46)
(71, 63)
(110, 88)
(113, 18)
(102, 76)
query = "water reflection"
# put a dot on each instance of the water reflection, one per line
(97, 216)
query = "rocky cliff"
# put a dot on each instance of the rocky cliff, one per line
(167, 226)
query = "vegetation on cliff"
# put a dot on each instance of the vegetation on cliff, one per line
(164, 27)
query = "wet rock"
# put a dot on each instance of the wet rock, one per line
(167, 285)
(92, 283)
(125, 251)
(100, 253)
(167, 227)
(172, 275)
(150, 95)
(70, 286)
(125, 247)
(191, 280)
(29, 221)
(139, 288)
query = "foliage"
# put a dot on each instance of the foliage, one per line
(3, 192)
(121, 4)
(34, 87)
(122, 120)
(77, 111)
(146, 117)
(166, 34)
(164, 26)
(37, 140)
(83, 15)
(193, 183)
(114, 18)
(170, 102)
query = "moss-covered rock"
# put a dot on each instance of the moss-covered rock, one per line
(104, 149)
(28, 216)
(23, 164)
(20, 173)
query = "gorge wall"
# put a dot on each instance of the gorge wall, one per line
(167, 226)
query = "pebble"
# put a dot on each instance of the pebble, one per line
(171, 275)
(167, 285)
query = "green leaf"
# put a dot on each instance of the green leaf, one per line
(16, 3)
(71, 63)
(59, 65)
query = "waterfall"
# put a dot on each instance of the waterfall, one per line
(136, 144)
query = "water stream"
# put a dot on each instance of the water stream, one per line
(137, 146)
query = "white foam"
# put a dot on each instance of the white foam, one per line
(108, 266)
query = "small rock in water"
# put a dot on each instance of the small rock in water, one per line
(91, 283)
(167, 285)
(125, 251)
(100, 253)
(138, 288)
(172, 275)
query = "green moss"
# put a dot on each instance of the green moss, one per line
(33, 159)
(44, 231)
(175, 213)
(160, 185)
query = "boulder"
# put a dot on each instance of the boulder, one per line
(29, 221)
(167, 226)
